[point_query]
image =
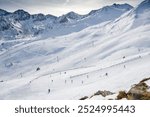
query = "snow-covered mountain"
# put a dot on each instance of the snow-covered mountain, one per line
(109, 54)
(71, 16)
(145, 5)
(21, 24)
(3, 12)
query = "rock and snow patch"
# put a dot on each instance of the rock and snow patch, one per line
(140, 91)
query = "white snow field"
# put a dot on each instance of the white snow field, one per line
(111, 55)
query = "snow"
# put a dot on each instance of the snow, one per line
(21, 24)
(110, 97)
(145, 5)
(75, 65)
(148, 83)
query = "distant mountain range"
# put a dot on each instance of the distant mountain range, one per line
(21, 24)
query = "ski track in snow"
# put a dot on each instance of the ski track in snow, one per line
(107, 55)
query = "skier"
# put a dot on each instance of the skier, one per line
(49, 91)
(106, 74)
(38, 69)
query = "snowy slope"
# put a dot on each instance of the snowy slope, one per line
(75, 65)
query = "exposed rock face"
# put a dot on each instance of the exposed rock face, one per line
(38, 17)
(121, 95)
(4, 25)
(21, 15)
(139, 91)
(3, 12)
(98, 93)
(103, 93)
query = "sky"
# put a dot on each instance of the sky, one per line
(59, 7)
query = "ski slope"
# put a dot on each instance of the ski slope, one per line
(111, 55)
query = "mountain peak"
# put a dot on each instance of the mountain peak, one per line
(72, 12)
(121, 7)
(20, 11)
(38, 17)
(51, 16)
(21, 15)
(3, 12)
(72, 15)
(143, 6)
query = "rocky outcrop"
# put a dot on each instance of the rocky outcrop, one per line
(138, 91)
(102, 93)
(84, 98)
(4, 24)
(20, 15)
(98, 93)
(121, 95)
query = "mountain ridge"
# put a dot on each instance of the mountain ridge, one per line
(15, 22)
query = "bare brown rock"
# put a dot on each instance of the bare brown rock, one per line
(102, 93)
(121, 95)
(137, 92)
